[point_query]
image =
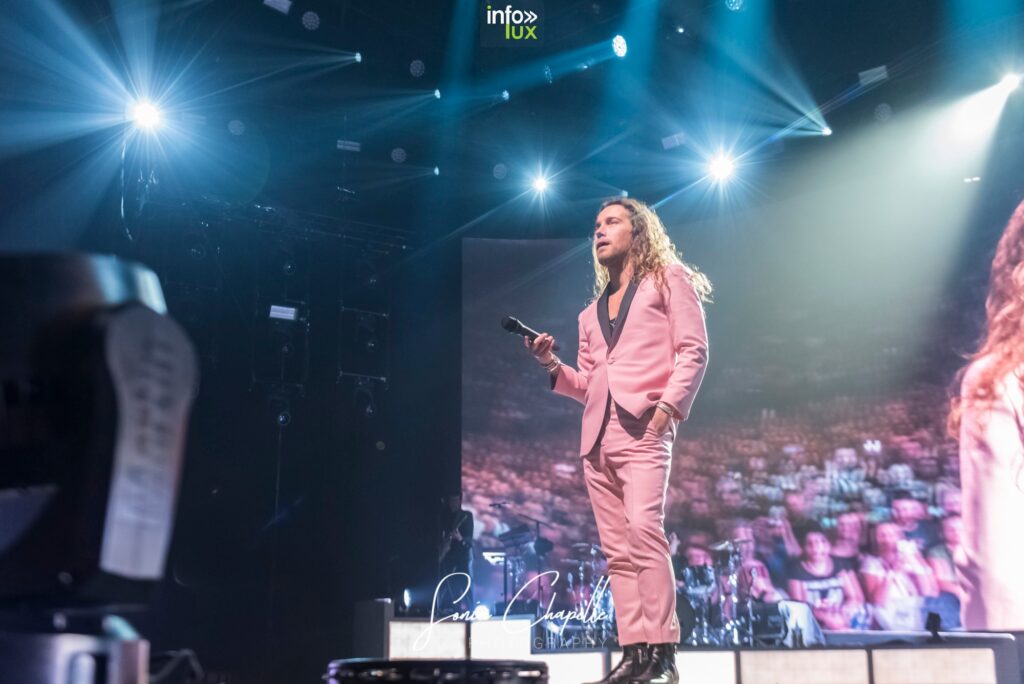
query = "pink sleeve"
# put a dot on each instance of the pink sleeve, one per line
(570, 382)
(689, 339)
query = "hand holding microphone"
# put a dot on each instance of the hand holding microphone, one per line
(541, 345)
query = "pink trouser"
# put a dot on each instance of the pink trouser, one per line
(627, 476)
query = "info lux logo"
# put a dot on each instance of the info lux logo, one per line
(519, 25)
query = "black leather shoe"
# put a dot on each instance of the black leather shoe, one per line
(635, 658)
(662, 666)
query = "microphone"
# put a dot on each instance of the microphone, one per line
(516, 327)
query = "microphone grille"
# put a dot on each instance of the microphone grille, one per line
(509, 323)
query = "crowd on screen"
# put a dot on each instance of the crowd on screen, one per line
(849, 504)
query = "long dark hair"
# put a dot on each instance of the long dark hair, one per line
(1003, 342)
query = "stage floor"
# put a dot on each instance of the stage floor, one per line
(849, 657)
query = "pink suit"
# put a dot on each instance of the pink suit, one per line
(658, 354)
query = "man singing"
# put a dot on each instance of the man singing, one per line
(636, 380)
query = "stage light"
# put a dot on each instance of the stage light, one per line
(311, 20)
(499, 171)
(680, 29)
(236, 127)
(406, 598)
(734, 5)
(282, 6)
(972, 179)
(826, 131)
(417, 68)
(283, 313)
(1010, 82)
(973, 120)
(145, 115)
(505, 95)
(619, 46)
(359, 57)
(540, 184)
(437, 93)
(674, 140)
(437, 171)
(721, 167)
(398, 155)
(873, 76)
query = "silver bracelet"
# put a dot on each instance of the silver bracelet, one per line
(553, 364)
(667, 408)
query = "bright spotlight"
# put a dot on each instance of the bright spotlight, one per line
(437, 93)
(1010, 82)
(721, 167)
(619, 46)
(505, 95)
(359, 57)
(540, 184)
(437, 170)
(826, 131)
(145, 115)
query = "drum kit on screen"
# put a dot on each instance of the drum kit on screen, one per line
(714, 605)
(722, 609)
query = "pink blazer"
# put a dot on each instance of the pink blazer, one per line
(658, 353)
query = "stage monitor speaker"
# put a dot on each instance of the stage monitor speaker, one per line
(437, 671)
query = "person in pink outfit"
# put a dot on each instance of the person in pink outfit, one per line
(988, 418)
(643, 349)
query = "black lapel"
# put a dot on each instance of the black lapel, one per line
(620, 320)
(602, 317)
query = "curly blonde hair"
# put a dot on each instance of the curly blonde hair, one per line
(1003, 341)
(650, 252)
